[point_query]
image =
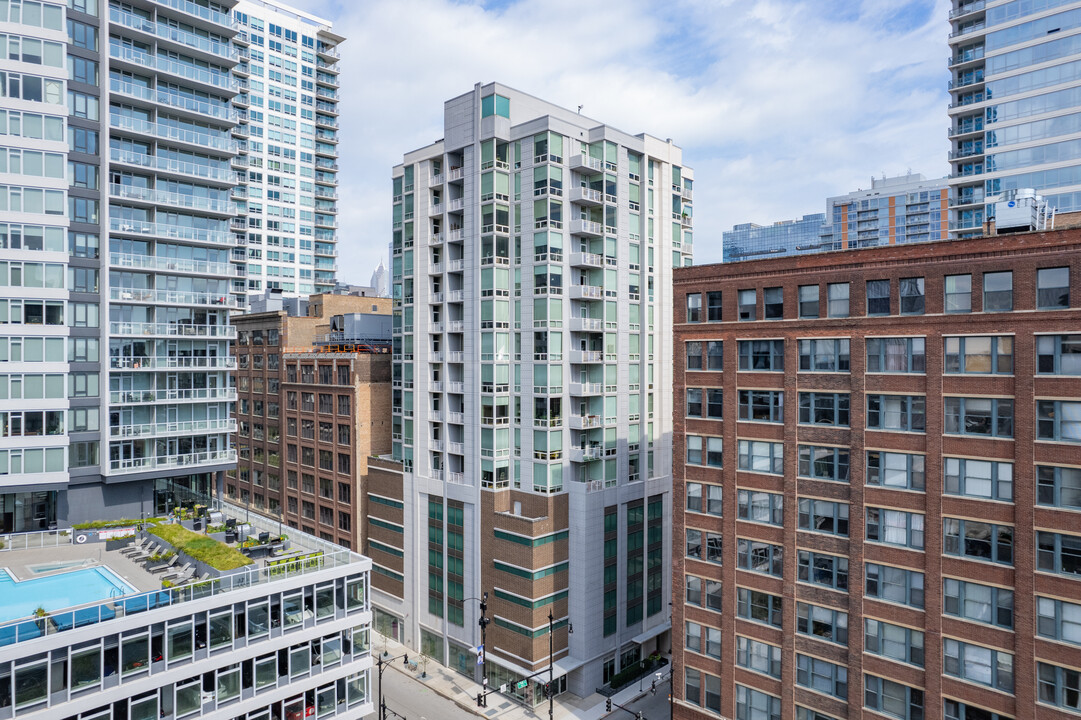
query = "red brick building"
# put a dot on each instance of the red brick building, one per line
(877, 476)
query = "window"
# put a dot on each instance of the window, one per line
(1058, 354)
(808, 301)
(894, 584)
(823, 463)
(713, 595)
(1053, 288)
(980, 416)
(714, 355)
(823, 516)
(912, 296)
(692, 593)
(713, 548)
(694, 307)
(1058, 486)
(838, 300)
(758, 656)
(998, 291)
(758, 606)
(978, 664)
(704, 498)
(692, 639)
(978, 603)
(878, 297)
(895, 527)
(694, 355)
(979, 355)
(761, 456)
(803, 713)
(705, 640)
(831, 355)
(748, 303)
(1059, 686)
(1058, 620)
(692, 686)
(829, 571)
(694, 544)
(978, 540)
(1058, 553)
(822, 622)
(958, 293)
(893, 641)
(711, 447)
(901, 413)
(892, 698)
(896, 355)
(761, 405)
(756, 705)
(1058, 420)
(761, 355)
(823, 408)
(984, 479)
(822, 676)
(761, 507)
(713, 306)
(714, 403)
(694, 402)
(773, 303)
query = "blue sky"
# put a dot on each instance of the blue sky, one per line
(777, 104)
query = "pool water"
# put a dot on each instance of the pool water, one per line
(21, 598)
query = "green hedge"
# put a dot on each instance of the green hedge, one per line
(106, 524)
(216, 554)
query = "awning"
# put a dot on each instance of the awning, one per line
(652, 632)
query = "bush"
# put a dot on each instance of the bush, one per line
(123, 522)
(216, 554)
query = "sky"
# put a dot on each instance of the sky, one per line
(777, 104)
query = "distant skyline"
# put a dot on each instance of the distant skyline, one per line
(777, 104)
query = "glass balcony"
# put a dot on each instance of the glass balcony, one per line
(200, 11)
(135, 397)
(223, 81)
(177, 167)
(172, 34)
(170, 297)
(143, 329)
(189, 460)
(170, 362)
(173, 232)
(174, 428)
(166, 132)
(162, 197)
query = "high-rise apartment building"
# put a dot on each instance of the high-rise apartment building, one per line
(894, 211)
(1015, 112)
(532, 259)
(133, 265)
(313, 378)
(288, 82)
(876, 473)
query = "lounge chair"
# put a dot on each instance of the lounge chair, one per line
(174, 577)
(162, 566)
(138, 547)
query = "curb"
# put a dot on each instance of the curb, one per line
(437, 691)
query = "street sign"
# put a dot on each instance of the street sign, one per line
(503, 688)
(521, 684)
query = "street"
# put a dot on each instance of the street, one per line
(652, 707)
(413, 699)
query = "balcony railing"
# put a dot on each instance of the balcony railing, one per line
(171, 297)
(170, 264)
(173, 428)
(172, 330)
(166, 132)
(163, 197)
(178, 232)
(132, 397)
(218, 457)
(206, 362)
(224, 81)
(165, 164)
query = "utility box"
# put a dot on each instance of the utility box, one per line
(1021, 210)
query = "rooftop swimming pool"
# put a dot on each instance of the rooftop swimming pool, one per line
(56, 592)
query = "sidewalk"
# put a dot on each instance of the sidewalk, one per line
(463, 692)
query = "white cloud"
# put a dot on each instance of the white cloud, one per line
(776, 103)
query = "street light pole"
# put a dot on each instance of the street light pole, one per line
(551, 667)
(382, 665)
(483, 622)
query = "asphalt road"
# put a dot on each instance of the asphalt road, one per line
(652, 707)
(414, 700)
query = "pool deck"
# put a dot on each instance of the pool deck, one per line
(19, 562)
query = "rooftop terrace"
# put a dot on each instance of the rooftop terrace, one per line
(149, 566)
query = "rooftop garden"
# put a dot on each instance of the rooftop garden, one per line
(216, 554)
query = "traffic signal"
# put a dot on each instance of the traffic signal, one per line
(653, 688)
(608, 705)
(480, 700)
(547, 690)
(405, 659)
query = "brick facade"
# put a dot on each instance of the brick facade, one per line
(869, 391)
